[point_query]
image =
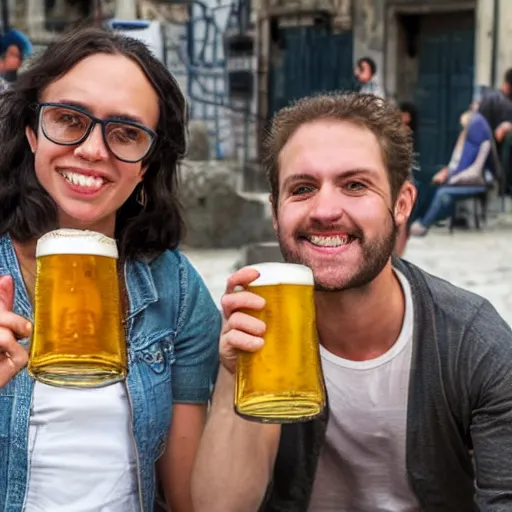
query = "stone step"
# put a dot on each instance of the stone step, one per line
(260, 252)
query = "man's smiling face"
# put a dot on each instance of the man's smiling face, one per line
(334, 212)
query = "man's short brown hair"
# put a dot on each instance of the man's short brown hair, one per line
(365, 110)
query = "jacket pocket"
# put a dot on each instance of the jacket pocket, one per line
(154, 370)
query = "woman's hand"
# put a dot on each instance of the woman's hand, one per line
(13, 357)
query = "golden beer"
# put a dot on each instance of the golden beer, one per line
(78, 337)
(282, 382)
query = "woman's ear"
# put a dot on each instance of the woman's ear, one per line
(32, 139)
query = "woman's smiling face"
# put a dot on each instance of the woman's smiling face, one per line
(86, 181)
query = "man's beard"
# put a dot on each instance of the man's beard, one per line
(374, 256)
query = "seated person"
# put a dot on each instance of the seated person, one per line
(465, 176)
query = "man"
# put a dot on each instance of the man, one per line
(417, 371)
(366, 74)
(496, 107)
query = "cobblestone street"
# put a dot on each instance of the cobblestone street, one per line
(477, 261)
(480, 261)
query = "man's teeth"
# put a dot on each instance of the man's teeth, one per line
(329, 241)
(83, 181)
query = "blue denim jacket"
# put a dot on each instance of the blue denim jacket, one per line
(173, 329)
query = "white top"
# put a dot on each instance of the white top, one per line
(81, 451)
(362, 463)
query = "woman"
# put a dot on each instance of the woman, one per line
(91, 136)
(465, 176)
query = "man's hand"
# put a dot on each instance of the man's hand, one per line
(241, 331)
(502, 131)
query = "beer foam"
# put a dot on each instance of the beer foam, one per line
(282, 273)
(76, 241)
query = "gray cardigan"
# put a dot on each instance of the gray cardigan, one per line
(460, 399)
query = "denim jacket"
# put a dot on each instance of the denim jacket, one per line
(173, 329)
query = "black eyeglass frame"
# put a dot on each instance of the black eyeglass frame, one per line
(94, 121)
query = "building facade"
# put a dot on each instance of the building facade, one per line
(239, 61)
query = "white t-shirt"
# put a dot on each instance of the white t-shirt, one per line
(82, 451)
(362, 464)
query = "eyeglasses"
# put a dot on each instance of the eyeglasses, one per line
(68, 125)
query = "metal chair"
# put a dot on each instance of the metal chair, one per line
(480, 204)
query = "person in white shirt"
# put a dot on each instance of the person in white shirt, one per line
(366, 74)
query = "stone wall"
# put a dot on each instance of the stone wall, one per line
(217, 214)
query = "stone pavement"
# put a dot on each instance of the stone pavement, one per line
(477, 261)
(480, 261)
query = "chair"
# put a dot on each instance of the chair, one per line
(479, 200)
(505, 167)
(495, 175)
(480, 203)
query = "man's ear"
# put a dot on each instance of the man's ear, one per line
(405, 203)
(274, 218)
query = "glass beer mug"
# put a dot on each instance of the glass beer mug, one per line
(78, 338)
(282, 382)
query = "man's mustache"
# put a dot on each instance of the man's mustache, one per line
(320, 228)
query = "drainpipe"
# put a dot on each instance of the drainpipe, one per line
(495, 37)
(5, 16)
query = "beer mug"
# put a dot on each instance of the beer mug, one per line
(78, 338)
(282, 382)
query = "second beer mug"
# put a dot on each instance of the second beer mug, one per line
(282, 382)
(78, 337)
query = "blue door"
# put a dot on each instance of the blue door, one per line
(313, 60)
(443, 93)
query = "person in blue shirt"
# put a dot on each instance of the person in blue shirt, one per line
(466, 175)
(92, 134)
(15, 47)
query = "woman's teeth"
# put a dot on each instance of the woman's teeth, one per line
(330, 241)
(82, 180)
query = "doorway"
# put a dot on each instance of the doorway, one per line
(435, 70)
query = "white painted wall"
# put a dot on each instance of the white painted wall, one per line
(126, 9)
(504, 39)
(483, 42)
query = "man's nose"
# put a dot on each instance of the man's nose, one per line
(328, 205)
(93, 148)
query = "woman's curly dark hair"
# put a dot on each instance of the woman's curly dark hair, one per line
(27, 211)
